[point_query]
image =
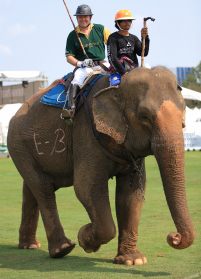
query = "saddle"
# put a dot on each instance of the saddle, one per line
(58, 95)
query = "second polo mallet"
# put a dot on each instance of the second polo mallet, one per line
(143, 40)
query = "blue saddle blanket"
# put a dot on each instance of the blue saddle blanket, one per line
(57, 97)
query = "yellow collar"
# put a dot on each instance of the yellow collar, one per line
(79, 31)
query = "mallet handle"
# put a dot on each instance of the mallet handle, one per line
(143, 47)
(76, 31)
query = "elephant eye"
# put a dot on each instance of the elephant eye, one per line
(179, 87)
(144, 117)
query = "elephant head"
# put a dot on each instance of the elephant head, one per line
(145, 114)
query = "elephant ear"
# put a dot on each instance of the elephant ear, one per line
(108, 116)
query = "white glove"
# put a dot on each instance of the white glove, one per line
(85, 63)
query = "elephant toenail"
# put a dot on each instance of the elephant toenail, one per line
(32, 246)
(65, 245)
(128, 262)
(144, 260)
(138, 262)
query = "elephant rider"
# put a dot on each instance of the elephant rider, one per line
(122, 44)
(93, 37)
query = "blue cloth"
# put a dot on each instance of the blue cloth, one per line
(56, 96)
(115, 79)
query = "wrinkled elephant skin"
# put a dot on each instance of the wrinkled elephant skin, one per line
(141, 117)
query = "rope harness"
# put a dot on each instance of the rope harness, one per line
(139, 171)
(126, 62)
(133, 163)
(134, 168)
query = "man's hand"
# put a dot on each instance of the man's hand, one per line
(85, 63)
(144, 32)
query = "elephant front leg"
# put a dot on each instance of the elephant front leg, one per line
(129, 201)
(29, 222)
(92, 191)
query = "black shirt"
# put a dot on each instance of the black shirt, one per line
(129, 46)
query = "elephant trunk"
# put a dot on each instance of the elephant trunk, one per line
(168, 148)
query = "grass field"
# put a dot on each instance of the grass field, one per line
(155, 224)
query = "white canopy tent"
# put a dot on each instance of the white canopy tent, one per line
(18, 76)
(192, 131)
(6, 113)
(189, 94)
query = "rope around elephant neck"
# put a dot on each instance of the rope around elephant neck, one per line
(133, 164)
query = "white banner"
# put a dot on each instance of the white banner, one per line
(1, 135)
(192, 136)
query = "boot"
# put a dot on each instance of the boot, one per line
(69, 113)
(74, 93)
(65, 114)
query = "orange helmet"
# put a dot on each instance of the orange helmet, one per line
(123, 15)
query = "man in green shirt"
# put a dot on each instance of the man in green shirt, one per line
(93, 37)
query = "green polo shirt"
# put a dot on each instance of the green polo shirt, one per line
(93, 44)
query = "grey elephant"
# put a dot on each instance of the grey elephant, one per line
(141, 117)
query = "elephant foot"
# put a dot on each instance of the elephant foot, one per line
(132, 258)
(29, 244)
(86, 239)
(61, 248)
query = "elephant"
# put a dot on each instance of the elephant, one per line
(142, 116)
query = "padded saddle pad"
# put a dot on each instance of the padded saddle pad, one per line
(56, 96)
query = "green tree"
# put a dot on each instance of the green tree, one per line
(193, 81)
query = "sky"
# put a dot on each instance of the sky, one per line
(33, 33)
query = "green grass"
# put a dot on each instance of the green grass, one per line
(155, 224)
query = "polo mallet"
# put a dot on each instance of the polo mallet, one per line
(76, 31)
(143, 40)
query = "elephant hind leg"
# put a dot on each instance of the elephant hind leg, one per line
(29, 222)
(38, 195)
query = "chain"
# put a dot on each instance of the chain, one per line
(67, 99)
(139, 171)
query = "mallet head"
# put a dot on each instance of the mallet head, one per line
(146, 18)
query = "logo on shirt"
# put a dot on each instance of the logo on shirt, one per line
(91, 44)
(128, 44)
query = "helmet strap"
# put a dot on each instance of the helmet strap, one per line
(124, 29)
(89, 22)
(86, 26)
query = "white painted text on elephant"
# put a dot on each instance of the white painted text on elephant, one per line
(39, 145)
